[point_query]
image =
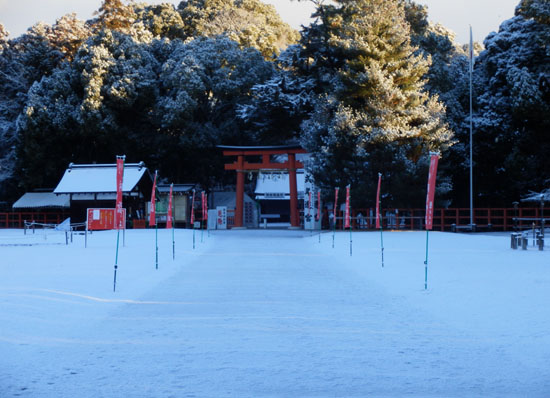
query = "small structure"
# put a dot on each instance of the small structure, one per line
(94, 186)
(269, 159)
(181, 204)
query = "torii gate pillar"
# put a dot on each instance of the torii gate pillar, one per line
(293, 189)
(239, 200)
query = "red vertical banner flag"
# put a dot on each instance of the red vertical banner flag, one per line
(119, 217)
(431, 191)
(318, 206)
(153, 205)
(193, 209)
(347, 216)
(169, 216)
(378, 201)
(309, 204)
(203, 205)
(335, 203)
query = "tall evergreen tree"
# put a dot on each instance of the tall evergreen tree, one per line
(374, 114)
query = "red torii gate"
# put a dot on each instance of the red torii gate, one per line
(241, 166)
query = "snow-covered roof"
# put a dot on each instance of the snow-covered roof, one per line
(275, 185)
(178, 188)
(537, 196)
(34, 200)
(99, 178)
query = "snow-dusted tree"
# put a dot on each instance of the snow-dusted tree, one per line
(115, 15)
(201, 84)
(512, 126)
(23, 61)
(167, 103)
(89, 110)
(4, 35)
(68, 33)
(162, 20)
(278, 106)
(375, 114)
(251, 23)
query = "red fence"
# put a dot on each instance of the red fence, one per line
(17, 219)
(495, 219)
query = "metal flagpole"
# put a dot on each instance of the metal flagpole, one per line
(471, 133)
(334, 215)
(379, 217)
(426, 261)
(348, 218)
(156, 246)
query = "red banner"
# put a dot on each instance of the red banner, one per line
(309, 204)
(347, 216)
(335, 203)
(169, 216)
(431, 191)
(119, 219)
(204, 206)
(193, 209)
(378, 201)
(318, 205)
(153, 206)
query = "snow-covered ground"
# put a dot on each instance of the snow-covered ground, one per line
(273, 313)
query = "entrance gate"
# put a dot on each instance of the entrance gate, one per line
(242, 165)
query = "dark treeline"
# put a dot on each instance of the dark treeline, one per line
(370, 86)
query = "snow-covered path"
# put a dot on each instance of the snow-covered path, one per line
(259, 314)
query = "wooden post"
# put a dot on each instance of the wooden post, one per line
(239, 201)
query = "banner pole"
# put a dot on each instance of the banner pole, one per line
(193, 217)
(173, 245)
(349, 218)
(381, 241)
(334, 215)
(350, 241)
(116, 259)
(426, 263)
(333, 230)
(156, 246)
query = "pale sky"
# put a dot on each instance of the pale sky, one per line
(483, 15)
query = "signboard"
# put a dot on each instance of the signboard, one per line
(221, 217)
(103, 219)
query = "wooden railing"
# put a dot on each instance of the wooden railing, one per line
(494, 219)
(17, 219)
